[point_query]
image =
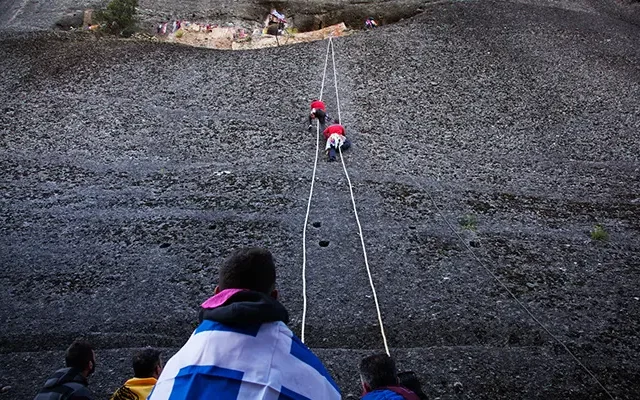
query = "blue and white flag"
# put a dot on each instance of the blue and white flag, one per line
(278, 15)
(265, 361)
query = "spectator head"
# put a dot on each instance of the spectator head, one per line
(409, 380)
(378, 371)
(147, 363)
(80, 355)
(249, 268)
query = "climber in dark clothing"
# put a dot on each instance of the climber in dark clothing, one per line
(71, 383)
(319, 112)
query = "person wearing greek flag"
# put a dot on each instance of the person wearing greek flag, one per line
(242, 348)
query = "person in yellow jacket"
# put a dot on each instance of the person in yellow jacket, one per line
(147, 366)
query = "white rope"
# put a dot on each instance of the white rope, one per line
(364, 251)
(366, 261)
(306, 218)
(355, 210)
(506, 288)
(335, 80)
(324, 73)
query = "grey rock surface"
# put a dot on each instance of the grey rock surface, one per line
(37, 15)
(33, 15)
(130, 169)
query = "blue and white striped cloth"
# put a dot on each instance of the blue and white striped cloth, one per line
(263, 362)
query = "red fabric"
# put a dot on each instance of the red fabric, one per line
(331, 129)
(317, 104)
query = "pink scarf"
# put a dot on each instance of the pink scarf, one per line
(220, 298)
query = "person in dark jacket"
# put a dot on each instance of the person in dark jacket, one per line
(409, 380)
(380, 379)
(71, 383)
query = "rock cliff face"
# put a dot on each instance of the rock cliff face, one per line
(306, 15)
(129, 169)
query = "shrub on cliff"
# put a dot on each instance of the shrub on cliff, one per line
(119, 17)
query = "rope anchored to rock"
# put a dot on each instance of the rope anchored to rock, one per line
(331, 49)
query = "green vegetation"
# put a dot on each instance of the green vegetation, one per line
(599, 233)
(469, 222)
(119, 18)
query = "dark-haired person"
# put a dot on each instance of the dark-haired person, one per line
(380, 379)
(147, 366)
(319, 112)
(71, 383)
(336, 138)
(242, 348)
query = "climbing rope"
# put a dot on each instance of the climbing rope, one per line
(366, 261)
(504, 286)
(440, 213)
(355, 210)
(306, 218)
(335, 80)
(353, 202)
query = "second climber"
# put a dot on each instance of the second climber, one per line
(336, 139)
